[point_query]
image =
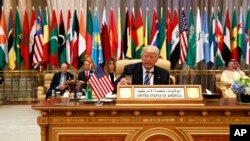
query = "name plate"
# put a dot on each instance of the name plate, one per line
(159, 95)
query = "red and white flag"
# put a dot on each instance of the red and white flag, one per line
(183, 38)
(69, 41)
(100, 83)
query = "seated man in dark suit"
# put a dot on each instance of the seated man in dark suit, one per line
(84, 76)
(145, 72)
(59, 80)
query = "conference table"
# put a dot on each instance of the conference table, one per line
(62, 119)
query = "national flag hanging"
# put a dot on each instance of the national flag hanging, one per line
(11, 49)
(199, 39)
(32, 35)
(69, 39)
(113, 37)
(175, 42)
(126, 34)
(100, 83)
(206, 46)
(219, 40)
(61, 41)
(244, 36)
(82, 40)
(226, 54)
(96, 54)
(140, 36)
(234, 31)
(240, 36)
(162, 37)
(212, 40)
(24, 47)
(54, 40)
(75, 29)
(17, 38)
(3, 42)
(154, 30)
(38, 48)
(46, 39)
(183, 38)
(120, 50)
(169, 27)
(191, 54)
(134, 38)
(105, 38)
(89, 33)
(147, 29)
(248, 37)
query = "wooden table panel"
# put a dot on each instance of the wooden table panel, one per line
(64, 120)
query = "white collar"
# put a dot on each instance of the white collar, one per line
(145, 70)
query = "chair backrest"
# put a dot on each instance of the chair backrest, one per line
(120, 64)
(47, 79)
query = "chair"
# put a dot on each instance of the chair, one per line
(41, 90)
(221, 88)
(165, 64)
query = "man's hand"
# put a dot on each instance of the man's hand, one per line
(62, 87)
(123, 81)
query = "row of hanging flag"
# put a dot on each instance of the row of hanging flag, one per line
(42, 42)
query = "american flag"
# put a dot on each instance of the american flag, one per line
(100, 83)
(38, 49)
(183, 38)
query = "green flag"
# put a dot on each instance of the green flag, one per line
(17, 38)
(191, 54)
(162, 37)
(240, 36)
(219, 39)
(54, 41)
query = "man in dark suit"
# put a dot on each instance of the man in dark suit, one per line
(145, 72)
(59, 80)
(84, 76)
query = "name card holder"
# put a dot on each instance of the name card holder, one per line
(148, 95)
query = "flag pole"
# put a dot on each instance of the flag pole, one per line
(99, 102)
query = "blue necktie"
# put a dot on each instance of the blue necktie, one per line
(147, 79)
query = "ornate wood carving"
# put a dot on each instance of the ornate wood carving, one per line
(64, 120)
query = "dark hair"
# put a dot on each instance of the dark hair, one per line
(107, 64)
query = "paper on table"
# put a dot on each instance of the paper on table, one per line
(111, 95)
(208, 92)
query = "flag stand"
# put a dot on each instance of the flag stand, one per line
(99, 103)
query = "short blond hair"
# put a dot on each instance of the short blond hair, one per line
(151, 49)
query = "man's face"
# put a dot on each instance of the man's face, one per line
(86, 66)
(149, 59)
(64, 68)
(233, 65)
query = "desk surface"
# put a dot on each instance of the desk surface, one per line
(66, 104)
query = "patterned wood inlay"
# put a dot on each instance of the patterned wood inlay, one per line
(93, 138)
(211, 137)
(159, 138)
